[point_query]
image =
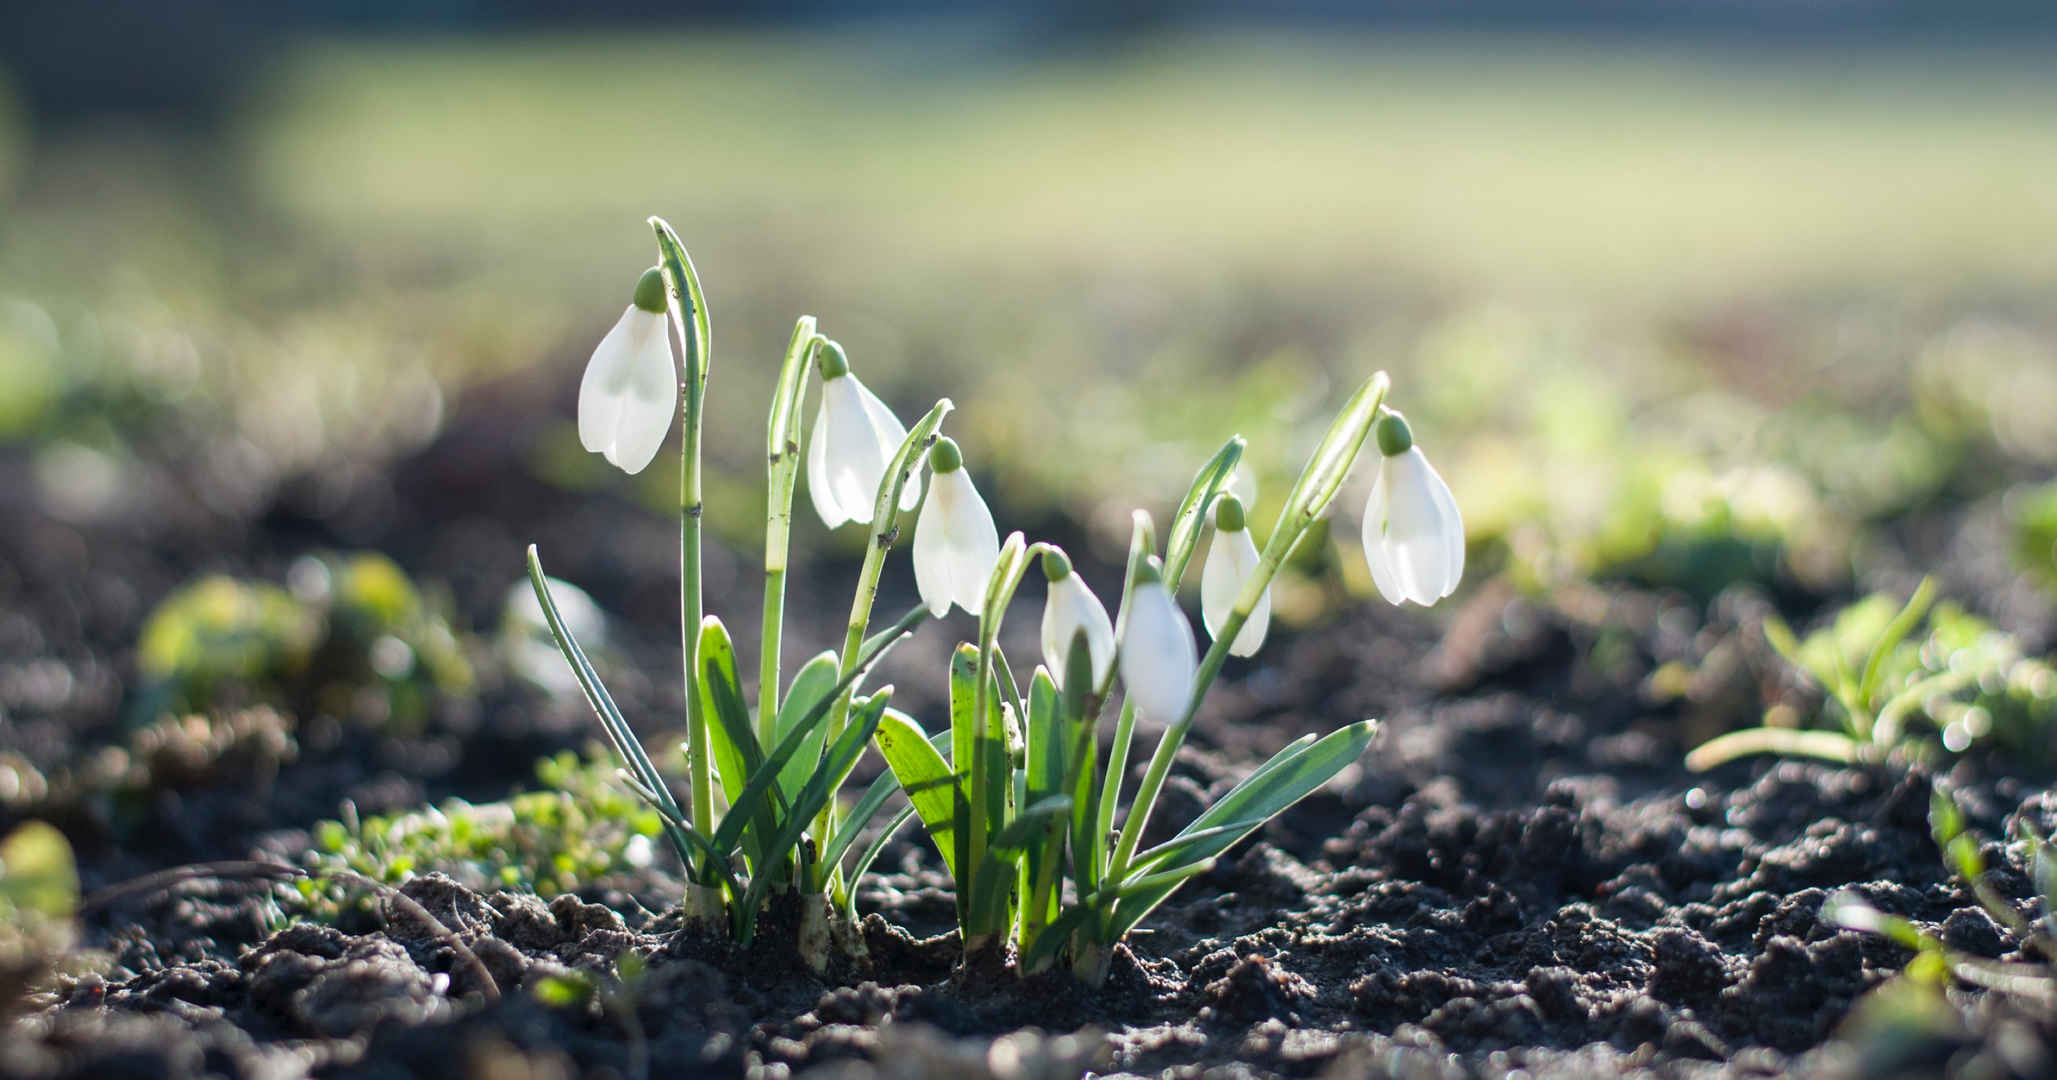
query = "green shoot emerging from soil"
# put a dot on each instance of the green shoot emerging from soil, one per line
(1011, 790)
(1917, 1000)
(1916, 679)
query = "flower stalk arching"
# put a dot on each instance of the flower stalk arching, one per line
(688, 308)
(1311, 493)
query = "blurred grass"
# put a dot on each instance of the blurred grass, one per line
(1694, 289)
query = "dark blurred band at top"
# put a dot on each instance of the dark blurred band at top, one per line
(183, 63)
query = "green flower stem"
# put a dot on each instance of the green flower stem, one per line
(689, 323)
(1311, 495)
(782, 473)
(1142, 541)
(884, 531)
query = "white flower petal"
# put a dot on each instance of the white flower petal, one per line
(819, 490)
(1158, 660)
(854, 463)
(1413, 532)
(1231, 563)
(890, 433)
(1070, 608)
(955, 545)
(629, 392)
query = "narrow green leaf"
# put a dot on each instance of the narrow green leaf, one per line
(626, 745)
(926, 778)
(836, 764)
(815, 684)
(992, 892)
(1266, 794)
(1889, 639)
(1331, 460)
(964, 732)
(736, 753)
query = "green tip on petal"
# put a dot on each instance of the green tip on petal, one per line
(1394, 436)
(650, 290)
(834, 364)
(1228, 513)
(1151, 572)
(1056, 564)
(944, 457)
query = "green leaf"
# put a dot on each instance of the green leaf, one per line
(731, 829)
(1191, 518)
(964, 732)
(1895, 632)
(1078, 709)
(925, 776)
(836, 764)
(993, 887)
(626, 745)
(736, 753)
(37, 872)
(1291, 775)
(815, 683)
(1331, 461)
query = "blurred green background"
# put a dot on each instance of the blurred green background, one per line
(1634, 290)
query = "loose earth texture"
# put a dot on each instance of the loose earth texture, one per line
(1520, 878)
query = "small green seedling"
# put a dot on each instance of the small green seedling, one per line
(1897, 675)
(1915, 1001)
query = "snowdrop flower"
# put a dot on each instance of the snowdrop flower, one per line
(1231, 562)
(1413, 534)
(1158, 661)
(855, 438)
(630, 390)
(955, 543)
(1071, 609)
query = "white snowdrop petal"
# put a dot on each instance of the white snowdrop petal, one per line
(1218, 585)
(1375, 553)
(955, 545)
(1413, 532)
(1070, 608)
(1243, 558)
(889, 433)
(629, 392)
(1158, 660)
(931, 554)
(855, 464)
(820, 490)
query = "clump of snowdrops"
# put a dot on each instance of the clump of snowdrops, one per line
(1014, 787)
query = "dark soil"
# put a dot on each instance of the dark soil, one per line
(1520, 878)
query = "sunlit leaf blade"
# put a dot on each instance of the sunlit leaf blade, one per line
(624, 740)
(993, 886)
(1895, 632)
(964, 731)
(1332, 458)
(869, 855)
(836, 763)
(815, 684)
(925, 776)
(1267, 793)
(736, 753)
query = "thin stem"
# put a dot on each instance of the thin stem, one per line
(782, 470)
(690, 325)
(853, 643)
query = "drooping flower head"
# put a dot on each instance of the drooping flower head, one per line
(1071, 609)
(1231, 563)
(1158, 660)
(1413, 533)
(955, 542)
(855, 437)
(630, 390)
